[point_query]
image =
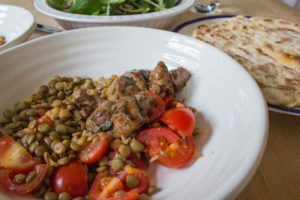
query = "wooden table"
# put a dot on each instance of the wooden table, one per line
(278, 176)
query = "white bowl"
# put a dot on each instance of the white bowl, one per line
(16, 25)
(232, 113)
(154, 20)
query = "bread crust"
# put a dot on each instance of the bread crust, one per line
(269, 49)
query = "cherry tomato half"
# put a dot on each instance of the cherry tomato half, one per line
(7, 183)
(133, 158)
(156, 111)
(155, 137)
(103, 188)
(43, 120)
(70, 178)
(171, 151)
(139, 174)
(181, 119)
(93, 152)
(15, 157)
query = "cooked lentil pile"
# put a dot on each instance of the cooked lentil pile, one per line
(62, 119)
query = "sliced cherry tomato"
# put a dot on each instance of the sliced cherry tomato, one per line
(41, 112)
(70, 178)
(133, 158)
(136, 161)
(180, 119)
(156, 111)
(163, 142)
(93, 152)
(15, 157)
(103, 188)
(178, 154)
(168, 101)
(157, 136)
(43, 120)
(140, 174)
(7, 184)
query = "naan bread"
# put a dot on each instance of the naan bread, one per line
(268, 49)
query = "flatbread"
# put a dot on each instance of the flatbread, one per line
(268, 49)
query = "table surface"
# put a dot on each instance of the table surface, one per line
(278, 176)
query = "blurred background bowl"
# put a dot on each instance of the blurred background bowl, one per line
(14, 30)
(160, 19)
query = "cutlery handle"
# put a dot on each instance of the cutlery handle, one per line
(47, 29)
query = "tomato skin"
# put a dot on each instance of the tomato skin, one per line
(177, 152)
(155, 112)
(93, 152)
(140, 174)
(41, 112)
(182, 120)
(43, 120)
(151, 137)
(70, 178)
(103, 189)
(15, 157)
(7, 183)
(133, 158)
(136, 161)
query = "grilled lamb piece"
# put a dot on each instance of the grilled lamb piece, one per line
(128, 104)
(126, 85)
(100, 119)
(180, 77)
(160, 80)
(126, 116)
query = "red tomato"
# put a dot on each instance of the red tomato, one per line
(93, 152)
(178, 154)
(41, 112)
(136, 161)
(167, 145)
(155, 112)
(181, 119)
(70, 178)
(103, 188)
(15, 157)
(43, 120)
(168, 101)
(157, 136)
(140, 174)
(7, 184)
(133, 158)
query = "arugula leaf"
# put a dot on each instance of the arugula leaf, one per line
(171, 3)
(59, 4)
(88, 7)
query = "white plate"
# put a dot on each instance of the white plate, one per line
(188, 27)
(16, 25)
(233, 118)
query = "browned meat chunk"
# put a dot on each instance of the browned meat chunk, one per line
(126, 116)
(180, 77)
(160, 80)
(87, 102)
(126, 85)
(100, 119)
(144, 102)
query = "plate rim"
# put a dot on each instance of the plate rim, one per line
(271, 107)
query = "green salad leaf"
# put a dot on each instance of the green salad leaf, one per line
(87, 7)
(58, 4)
(112, 7)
